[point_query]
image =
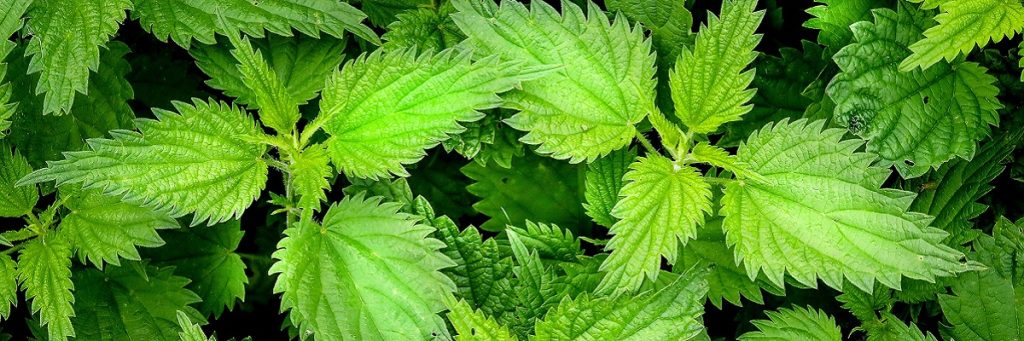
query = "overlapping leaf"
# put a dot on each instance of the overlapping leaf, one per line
(604, 87)
(964, 24)
(103, 229)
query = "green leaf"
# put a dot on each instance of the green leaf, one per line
(891, 328)
(726, 279)
(368, 273)
(669, 22)
(662, 204)
(309, 173)
(671, 313)
(718, 157)
(821, 214)
(833, 18)
(964, 24)
(913, 120)
(278, 109)
(605, 86)
(131, 302)
(41, 138)
(488, 140)
(44, 272)
(184, 20)
(481, 272)
(951, 193)
(534, 188)
(709, 84)
(206, 255)
(197, 161)
(65, 46)
(301, 64)
(536, 289)
(11, 12)
(8, 286)
(103, 229)
(549, 241)
(15, 201)
(190, 331)
(384, 110)
(474, 325)
(795, 324)
(425, 29)
(604, 181)
(382, 12)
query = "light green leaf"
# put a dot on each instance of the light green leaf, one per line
(103, 229)
(671, 313)
(8, 286)
(300, 63)
(964, 24)
(890, 328)
(206, 255)
(536, 289)
(278, 109)
(534, 188)
(718, 157)
(15, 201)
(184, 20)
(65, 46)
(662, 204)
(11, 17)
(795, 324)
(368, 273)
(488, 140)
(709, 84)
(726, 279)
(821, 214)
(384, 110)
(382, 12)
(44, 272)
(190, 331)
(913, 120)
(131, 302)
(605, 86)
(197, 161)
(309, 173)
(11, 12)
(604, 181)
(474, 325)
(549, 241)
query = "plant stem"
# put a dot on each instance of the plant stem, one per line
(646, 143)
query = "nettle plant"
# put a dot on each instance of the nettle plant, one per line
(628, 168)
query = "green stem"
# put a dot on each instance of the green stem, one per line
(646, 143)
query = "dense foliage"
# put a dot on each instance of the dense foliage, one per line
(500, 170)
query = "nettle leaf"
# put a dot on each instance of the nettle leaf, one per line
(278, 109)
(709, 84)
(670, 313)
(40, 138)
(964, 24)
(833, 18)
(795, 324)
(481, 272)
(488, 140)
(44, 272)
(184, 20)
(198, 161)
(662, 204)
(65, 45)
(604, 181)
(206, 255)
(15, 201)
(951, 193)
(11, 12)
(534, 188)
(475, 325)
(891, 328)
(301, 64)
(190, 331)
(8, 286)
(309, 173)
(103, 229)
(369, 272)
(382, 12)
(426, 29)
(536, 289)
(726, 279)
(549, 241)
(820, 214)
(669, 22)
(989, 304)
(131, 302)
(589, 106)
(917, 119)
(383, 110)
